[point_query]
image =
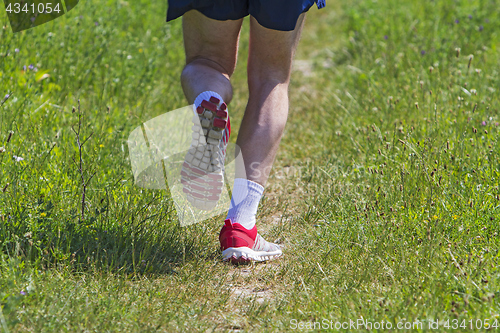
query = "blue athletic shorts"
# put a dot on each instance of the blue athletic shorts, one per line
(272, 14)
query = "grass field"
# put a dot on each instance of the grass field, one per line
(385, 193)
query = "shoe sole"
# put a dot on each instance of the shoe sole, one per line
(242, 255)
(202, 172)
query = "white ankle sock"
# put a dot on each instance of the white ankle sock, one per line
(245, 202)
(205, 96)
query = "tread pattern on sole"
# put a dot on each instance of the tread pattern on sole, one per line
(202, 172)
(240, 255)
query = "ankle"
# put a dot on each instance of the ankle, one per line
(245, 202)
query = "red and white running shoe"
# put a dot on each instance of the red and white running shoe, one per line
(202, 172)
(240, 245)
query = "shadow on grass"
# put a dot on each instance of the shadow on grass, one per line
(154, 245)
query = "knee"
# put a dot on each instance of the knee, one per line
(263, 71)
(267, 79)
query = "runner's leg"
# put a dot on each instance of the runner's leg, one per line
(269, 68)
(211, 50)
